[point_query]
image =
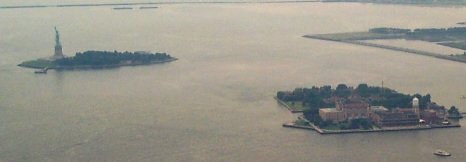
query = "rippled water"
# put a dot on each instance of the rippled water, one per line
(215, 103)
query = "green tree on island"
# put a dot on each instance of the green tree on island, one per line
(106, 58)
(454, 111)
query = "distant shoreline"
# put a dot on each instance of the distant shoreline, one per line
(147, 3)
(232, 2)
(453, 37)
(431, 3)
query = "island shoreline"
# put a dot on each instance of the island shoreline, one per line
(329, 132)
(99, 66)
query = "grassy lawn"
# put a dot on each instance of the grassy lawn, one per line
(39, 63)
(459, 45)
(360, 36)
(461, 56)
(300, 122)
(337, 126)
(333, 127)
(296, 105)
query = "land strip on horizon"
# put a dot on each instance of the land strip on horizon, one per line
(408, 2)
(145, 3)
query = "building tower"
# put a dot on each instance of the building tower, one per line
(58, 49)
(416, 105)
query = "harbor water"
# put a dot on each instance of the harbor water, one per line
(216, 102)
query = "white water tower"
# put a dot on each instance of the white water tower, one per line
(416, 106)
(415, 102)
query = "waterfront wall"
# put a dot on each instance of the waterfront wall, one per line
(288, 107)
(386, 129)
(414, 128)
(290, 125)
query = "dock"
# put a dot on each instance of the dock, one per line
(42, 71)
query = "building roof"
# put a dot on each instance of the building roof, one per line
(328, 110)
(397, 115)
(405, 109)
(379, 108)
(332, 99)
(356, 105)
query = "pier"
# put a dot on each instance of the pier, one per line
(42, 71)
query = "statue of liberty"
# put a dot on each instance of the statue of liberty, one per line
(58, 49)
(57, 37)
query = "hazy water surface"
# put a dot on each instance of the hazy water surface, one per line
(215, 103)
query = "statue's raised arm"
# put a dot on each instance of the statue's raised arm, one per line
(57, 37)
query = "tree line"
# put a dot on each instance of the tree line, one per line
(419, 31)
(103, 58)
(317, 97)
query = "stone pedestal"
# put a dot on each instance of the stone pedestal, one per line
(58, 52)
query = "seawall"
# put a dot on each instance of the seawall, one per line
(290, 125)
(288, 107)
(388, 129)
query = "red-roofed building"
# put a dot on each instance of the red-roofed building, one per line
(354, 110)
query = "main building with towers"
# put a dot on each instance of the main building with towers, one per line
(377, 114)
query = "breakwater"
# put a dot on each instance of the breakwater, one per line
(408, 50)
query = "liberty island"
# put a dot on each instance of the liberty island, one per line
(94, 59)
